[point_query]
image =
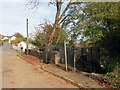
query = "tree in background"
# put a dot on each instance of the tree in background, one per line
(102, 24)
(18, 35)
(19, 38)
(43, 31)
(98, 22)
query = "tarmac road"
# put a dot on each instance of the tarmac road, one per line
(17, 73)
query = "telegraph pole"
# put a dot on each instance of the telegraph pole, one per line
(27, 35)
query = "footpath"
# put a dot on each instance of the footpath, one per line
(77, 79)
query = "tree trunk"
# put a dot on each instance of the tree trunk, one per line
(56, 24)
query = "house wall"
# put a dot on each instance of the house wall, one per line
(5, 38)
(23, 45)
(13, 38)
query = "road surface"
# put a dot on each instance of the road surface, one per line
(17, 73)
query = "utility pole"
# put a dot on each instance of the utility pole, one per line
(27, 35)
(65, 54)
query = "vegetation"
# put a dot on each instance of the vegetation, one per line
(1, 42)
(113, 79)
(99, 23)
(18, 35)
(85, 23)
(44, 31)
(6, 40)
(60, 17)
(19, 38)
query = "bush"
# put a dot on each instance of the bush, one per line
(113, 63)
(17, 40)
(6, 40)
(109, 62)
(1, 42)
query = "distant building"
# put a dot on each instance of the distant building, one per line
(9, 38)
(6, 38)
(12, 38)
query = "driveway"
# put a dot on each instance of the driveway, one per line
(16, 73)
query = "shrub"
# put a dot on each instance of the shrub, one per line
(113, 63)
(17, 40)
(109, 62)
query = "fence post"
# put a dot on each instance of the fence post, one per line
(65, 54)
(74, 59)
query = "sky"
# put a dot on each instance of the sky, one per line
(13, 16)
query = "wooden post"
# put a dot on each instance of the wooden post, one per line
(65, 54)
(74, 59)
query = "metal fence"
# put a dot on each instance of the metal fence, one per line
(86, 58)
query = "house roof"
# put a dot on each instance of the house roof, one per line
(8, 37)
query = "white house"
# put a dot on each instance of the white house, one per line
(9, 38)
(12, 38)
(23, 45)
(5, 38)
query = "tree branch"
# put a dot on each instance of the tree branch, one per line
(63, 13)
(67, 7)
(63, 19)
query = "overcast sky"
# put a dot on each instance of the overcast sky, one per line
(13, 16)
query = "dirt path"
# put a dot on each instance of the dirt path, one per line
(17, 73)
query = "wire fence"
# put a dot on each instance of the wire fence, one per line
(85, 58)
